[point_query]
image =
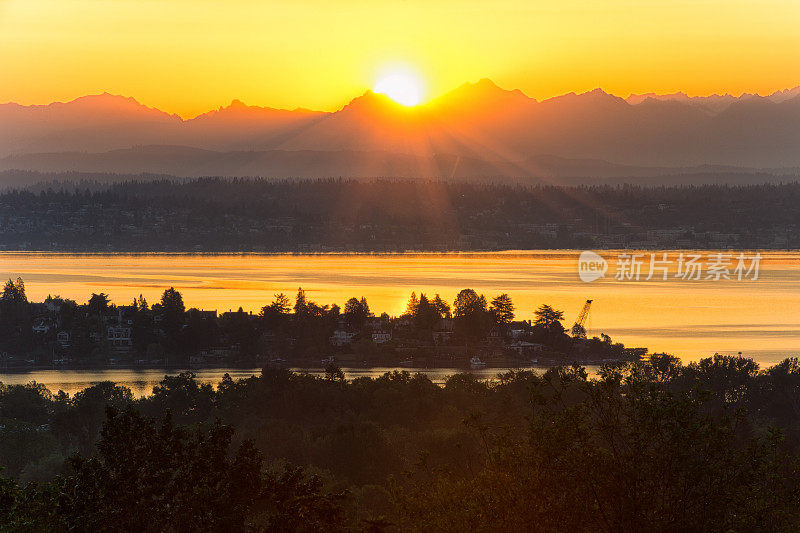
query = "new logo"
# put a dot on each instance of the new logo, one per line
(591, 266)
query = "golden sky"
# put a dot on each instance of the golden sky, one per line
(188, 56)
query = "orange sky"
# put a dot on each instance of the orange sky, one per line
(188, 56)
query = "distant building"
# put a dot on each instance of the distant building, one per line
(516, 333)
(119, 337)
(212, 356)
(341, 337)
(53, 304)
(380, 337)
(526, 348)
(63, 339)
(42, 325)
(203, 315)
(375, 323)
(443, 331)
(233, 315)
(125, 314)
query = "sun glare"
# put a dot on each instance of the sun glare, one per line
(402, 85)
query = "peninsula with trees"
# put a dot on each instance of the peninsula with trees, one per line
(430, 333)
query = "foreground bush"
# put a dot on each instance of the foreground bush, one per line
(156, 477)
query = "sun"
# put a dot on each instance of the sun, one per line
(402, 85)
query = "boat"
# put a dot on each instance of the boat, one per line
(407, 362)
(475, 362)
(328, 361)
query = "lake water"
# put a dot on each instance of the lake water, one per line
(691, 319)
(142, 381)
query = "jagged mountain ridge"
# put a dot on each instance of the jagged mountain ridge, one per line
(477, 121)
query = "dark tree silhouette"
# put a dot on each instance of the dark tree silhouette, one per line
(502, 309)
(98, 303)
(356, 312)
(471, 314)
(549, 319)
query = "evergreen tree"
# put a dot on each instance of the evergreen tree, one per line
(442, 307)
(411, 306)
(502, 309)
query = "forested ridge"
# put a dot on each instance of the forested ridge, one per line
(219, 215)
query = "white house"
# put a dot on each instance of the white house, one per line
(119, 337)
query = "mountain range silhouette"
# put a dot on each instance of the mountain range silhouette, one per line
(478, 130)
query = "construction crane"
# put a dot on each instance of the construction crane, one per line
(579, 327)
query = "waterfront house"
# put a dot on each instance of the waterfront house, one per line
(526, 348)
(119, 337)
